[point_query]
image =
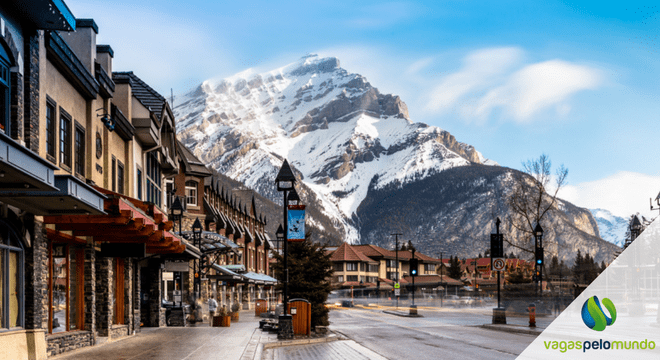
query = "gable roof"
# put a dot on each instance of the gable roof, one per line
(192, 165)
(346, 253)
(374, 251)
(144, 93)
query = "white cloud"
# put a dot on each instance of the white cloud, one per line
(539, 86)
(496, 79)
(623, 193)
(481, 69)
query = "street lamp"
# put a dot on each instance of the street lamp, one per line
(538, 247)
(177, 211)
(396, 264)
(280, 240)
(284, 181)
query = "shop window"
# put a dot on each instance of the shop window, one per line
(51, 146)
(11, 278)
(191, 193)
(65, 288)
(65, 138)
(4, 90)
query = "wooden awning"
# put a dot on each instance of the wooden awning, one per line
(128, 220)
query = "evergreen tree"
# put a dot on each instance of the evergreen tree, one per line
(310, 270)
(410, 246)
(403, 247)
(455, 268)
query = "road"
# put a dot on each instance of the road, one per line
(450, 333)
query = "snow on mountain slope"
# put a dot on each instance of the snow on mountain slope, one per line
(612, 228)
(340, 133)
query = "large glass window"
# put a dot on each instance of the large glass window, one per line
(65, 138)
(50, 129)
(11, 278)
(191, 193)
(80, 151)
(351, 266)
(154, 193)
(66, 290)
(120, 177)
(4, 91)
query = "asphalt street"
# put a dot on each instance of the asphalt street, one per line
(446, 333)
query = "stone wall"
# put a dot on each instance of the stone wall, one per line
(90, 289)
(118, 331)
(152, 315)
(36, 276)
(104, 308)
(31, 129)
(68, 341)
(128, 292)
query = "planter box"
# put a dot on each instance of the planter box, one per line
(234, 316)
(221, 321)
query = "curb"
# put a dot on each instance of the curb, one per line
(512, 329)
(400, 314)
(277, 344)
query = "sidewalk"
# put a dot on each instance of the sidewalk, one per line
(242, 340)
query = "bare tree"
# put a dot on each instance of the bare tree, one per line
(532, 198)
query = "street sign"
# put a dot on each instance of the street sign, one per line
(397, 292)
(397, 286)
(499, 264)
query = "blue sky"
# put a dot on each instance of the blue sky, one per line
(575, 80)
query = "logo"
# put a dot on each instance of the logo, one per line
(593, 315)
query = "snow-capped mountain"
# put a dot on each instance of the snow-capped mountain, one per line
(364, 168)
(611, 227)
(339, 132)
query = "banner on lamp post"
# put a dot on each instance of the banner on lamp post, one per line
(296, 223)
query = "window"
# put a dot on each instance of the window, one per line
(50, 129)
(338, 266)
(391, 275)
(113, 173)
(352, 278)
(373, 268)
(153, 179)
(11, 278)
(80, 150)
(5, 86)
(340, 278)
(120, 177)
(65, 138)
(363, 267)
(429, 267)
(65, 288)
(139, 184)
(191, 193)
(351, 266)
(391, 263)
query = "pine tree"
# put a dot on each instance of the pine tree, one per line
(455, 268)
(310, 270)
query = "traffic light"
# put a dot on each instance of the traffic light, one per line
(539, 256)
(414, 265)
(477, 286)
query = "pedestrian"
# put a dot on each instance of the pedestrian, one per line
(557, 306)
(213, 305)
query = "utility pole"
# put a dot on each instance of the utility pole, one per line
(396, 250)
(441, 278)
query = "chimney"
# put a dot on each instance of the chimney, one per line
(104, 55)
(83, 42)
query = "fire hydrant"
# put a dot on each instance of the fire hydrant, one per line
(532, 315)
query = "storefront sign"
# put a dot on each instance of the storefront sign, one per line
(173, 266)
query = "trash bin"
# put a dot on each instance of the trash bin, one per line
(260, 306)
(301, 312)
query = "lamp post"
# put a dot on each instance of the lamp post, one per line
(285, 180)
(538, 265)
(197, 237)
(396, 264)
(280, 238)
(177, 214)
